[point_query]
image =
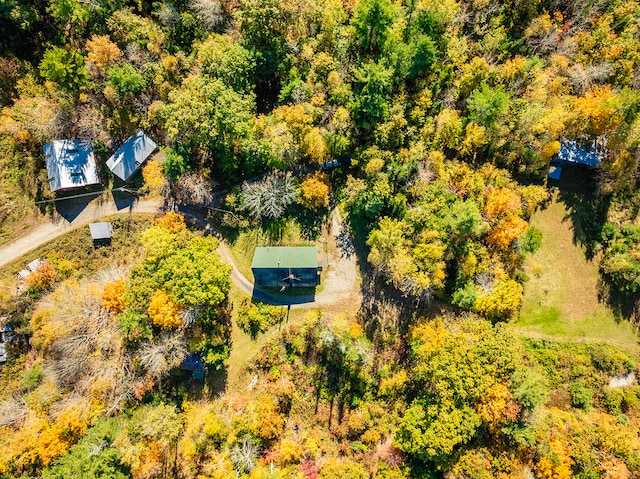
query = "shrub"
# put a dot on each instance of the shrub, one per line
(257, 318)
(613, 399)
(581, 397)
(531, 240)
(43, 277)
(134, 326)
(31, 378)
(335, 469)
(465, 297)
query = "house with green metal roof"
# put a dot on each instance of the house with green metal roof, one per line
(285, 266)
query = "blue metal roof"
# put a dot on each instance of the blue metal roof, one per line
(555, 172)
(192, 362)
(574, 153)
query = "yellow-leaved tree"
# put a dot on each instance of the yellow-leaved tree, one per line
(314, 192)
(163, 311)
(502, 302)
(102, 52)
(153, 175)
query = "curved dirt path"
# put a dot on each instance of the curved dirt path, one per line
(341, 283)
(59, 226)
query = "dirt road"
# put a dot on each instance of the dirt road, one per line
(59, 226)
(341, 282)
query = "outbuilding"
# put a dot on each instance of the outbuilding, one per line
(131, 155)
(573, 152)
(193, 362)
(578, 153)
(101, 232)
(285, 266)
(70, 164)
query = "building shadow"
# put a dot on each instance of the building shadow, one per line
(70, 205)
(288, 297)
(122, 199)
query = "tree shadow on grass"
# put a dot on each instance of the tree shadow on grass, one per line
(588, 211)
(311, 222)
(578, 190)
(625, 307)
(358, 233)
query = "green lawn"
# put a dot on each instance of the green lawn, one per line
(561, 296)
(243, 347)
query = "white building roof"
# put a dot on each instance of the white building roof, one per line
(70, 164)
(128, 158)
(35, 264)
(100, 231)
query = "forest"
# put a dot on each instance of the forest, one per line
(429, 127)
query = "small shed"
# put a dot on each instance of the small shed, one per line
(131, 155)
(101, 231)
(572, 152)
(193, 362)
(70, 164)
(282, 266)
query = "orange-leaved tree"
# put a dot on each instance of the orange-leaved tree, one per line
(113, 296)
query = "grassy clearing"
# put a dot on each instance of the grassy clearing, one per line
(283, 233)
(243, 347)
(561, 297)
(243, 248)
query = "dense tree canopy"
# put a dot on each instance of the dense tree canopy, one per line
(431, 126)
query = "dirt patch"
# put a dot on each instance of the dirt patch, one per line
(342, 281)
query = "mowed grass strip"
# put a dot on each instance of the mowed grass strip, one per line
(561, 296)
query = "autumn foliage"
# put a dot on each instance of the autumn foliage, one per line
(43, 277)
(113, 296)
(314, 192)
(163, 311)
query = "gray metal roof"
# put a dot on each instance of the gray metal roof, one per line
(133, 152)
(101, 230)
(35, 264)
(70, 164)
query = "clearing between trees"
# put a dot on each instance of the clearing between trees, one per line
(561, 297)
